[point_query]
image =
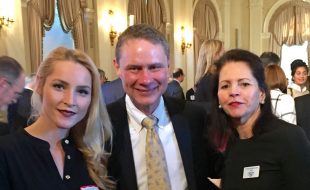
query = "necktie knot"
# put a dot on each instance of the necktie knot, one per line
(149, 122)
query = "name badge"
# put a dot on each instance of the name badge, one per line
(89, 187)
(251, 172)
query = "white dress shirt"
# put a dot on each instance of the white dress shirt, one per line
(168, 140)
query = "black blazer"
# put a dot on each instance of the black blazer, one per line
(19, 112)
(199, 160)
(302, 105)
(174, 89)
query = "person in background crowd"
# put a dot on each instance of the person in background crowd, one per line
(283, 104)
(190, 94)
(103, 78)
(12, 81)
(158, 142)
(262, 152)
(210, 51)
(19, 112)
(269, 58)
(303, 112)
(65, 147)
(174, 88)
(112, 91)
(299, 77)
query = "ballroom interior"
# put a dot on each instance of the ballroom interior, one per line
(93, 26)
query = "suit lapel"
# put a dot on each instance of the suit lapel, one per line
(183, 135)
(122, 147)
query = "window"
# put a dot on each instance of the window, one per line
(290, 53)
(56, 37)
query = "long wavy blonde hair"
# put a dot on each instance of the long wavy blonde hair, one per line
(94, 131)
(210, 51)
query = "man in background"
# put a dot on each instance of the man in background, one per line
(269, 58)
(12, 81)
(19, 112)
(174, 88)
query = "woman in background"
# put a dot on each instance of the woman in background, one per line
(283, 104)
(263, 152)
(65, 147)
(210, 51)
(299, 77)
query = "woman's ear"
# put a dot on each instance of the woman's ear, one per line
(38, 85)
(262, 96)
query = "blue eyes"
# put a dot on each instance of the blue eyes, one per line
(82, 91)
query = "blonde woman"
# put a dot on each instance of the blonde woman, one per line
(210, 51)
(65, 147)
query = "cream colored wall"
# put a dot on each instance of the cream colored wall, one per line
(12, 39)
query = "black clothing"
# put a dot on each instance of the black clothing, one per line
(302, 112)
(19, 112)
(199, 159)
(4, 129)
(174, 89)
(204, 88)
(282, 153)
(27, 164)
(190, 95)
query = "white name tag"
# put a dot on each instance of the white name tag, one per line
(89, 187)
(251, 172)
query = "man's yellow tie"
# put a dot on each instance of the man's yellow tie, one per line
(157, 172)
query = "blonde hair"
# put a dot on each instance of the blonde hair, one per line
(95, 130)
(209, 52)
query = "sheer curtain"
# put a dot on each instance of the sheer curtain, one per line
(40, 17)
(71, 19)
(290, 25)
(205, 24)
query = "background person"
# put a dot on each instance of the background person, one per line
(210, 51)
(302, 113)
(64, 147)
(269, 58)
(263, 152)
(18, 113)
(299, 77)
(142, 63)
(174, 88)
(12, 81)
(283, 105)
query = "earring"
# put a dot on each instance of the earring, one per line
(220, 106)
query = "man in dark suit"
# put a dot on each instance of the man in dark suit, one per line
(174, 88)
(142, 62)
(112, 91)
(20, 111)
(12, 81)
(302, 105)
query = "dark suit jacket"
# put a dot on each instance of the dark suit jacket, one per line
(302, 105)
(174, 89)
(112, 91)
(19, 112)
(199, 160)
(204, 88)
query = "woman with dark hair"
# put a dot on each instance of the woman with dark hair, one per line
(262, 151)
(299, 77)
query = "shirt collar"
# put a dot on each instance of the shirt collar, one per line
(138, 115)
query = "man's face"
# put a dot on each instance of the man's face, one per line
(11, 91)
(144, 70)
